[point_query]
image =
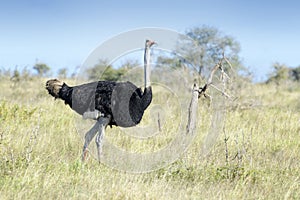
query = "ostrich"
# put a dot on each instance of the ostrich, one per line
(108, 102)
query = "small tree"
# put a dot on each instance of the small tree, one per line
(110, 74)
(206, 48)
(41, 68)
(279, 75)
(295, 74)
(172, 62)
(104, 71)
(96, 72)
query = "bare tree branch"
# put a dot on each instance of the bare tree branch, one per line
(224, 76)
(223, 93)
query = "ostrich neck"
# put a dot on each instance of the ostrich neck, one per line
(147, 69)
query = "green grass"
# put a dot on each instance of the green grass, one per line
(40, 151)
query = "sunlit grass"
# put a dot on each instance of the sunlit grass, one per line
(40, 149)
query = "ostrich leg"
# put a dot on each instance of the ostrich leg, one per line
(98, 127)
(99, 138)
(88, 138)
(92, 132)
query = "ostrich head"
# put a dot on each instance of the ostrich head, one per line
(149, 43)
(53, 86)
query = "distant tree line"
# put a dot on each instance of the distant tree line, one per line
(202, 48)
(282, 73)
(105, 71)
(38, 70)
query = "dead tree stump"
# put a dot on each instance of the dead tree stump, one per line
(192, 116)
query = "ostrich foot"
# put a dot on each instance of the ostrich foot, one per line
(84, 155)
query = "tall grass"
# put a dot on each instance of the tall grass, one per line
(256, 155)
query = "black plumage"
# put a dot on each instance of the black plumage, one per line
(122, 102)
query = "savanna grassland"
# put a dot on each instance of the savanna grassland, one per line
(256, 155)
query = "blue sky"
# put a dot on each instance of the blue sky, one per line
(63, 33)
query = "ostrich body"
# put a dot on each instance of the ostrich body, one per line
(108, 102)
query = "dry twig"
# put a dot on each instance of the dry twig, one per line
(219, 65)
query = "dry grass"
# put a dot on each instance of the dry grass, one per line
(40, 152)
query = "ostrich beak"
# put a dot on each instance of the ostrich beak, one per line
(152, 43)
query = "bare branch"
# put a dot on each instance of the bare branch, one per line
(224, 76)
(223, 93)
(216, 67)
(227, 61)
